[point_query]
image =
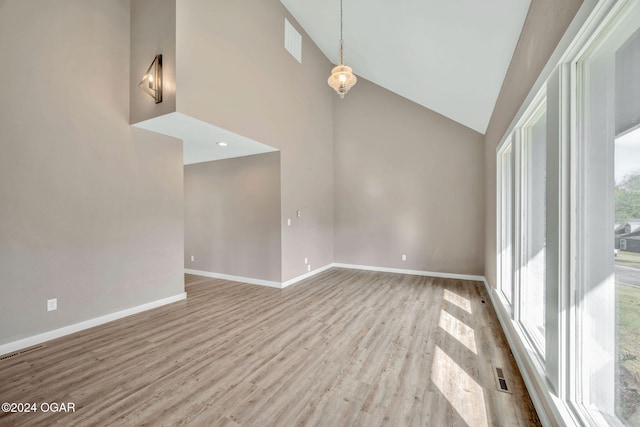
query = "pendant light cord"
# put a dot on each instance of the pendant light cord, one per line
(341, 38)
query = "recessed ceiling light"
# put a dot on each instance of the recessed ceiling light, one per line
(222, 144)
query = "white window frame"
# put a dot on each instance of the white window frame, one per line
(609, 13)
(533, 113)
(506, 218)
(555, 388)
(514, 143)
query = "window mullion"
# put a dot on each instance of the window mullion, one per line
(517, 223)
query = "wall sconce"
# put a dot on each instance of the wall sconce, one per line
(151, 83)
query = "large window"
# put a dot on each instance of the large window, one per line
(568, 232)
(506, 214)
(607, 180)
(522, 228)
(627, 275)
(533, 236)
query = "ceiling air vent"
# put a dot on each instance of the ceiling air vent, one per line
(292, 41)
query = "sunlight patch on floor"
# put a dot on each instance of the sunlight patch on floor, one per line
(457, 300)
(463, 392)
(458, 330)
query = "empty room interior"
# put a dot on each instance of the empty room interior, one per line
(301, 212)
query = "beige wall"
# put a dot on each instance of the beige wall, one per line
(90, 209)
(545, 24)
(153, 31)
(232, 216)
(408, 181)
(234, 72)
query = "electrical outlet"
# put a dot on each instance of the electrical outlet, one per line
(299, 213)
(193, 258)
(288, 221)
(306, 260)
(52, 304)
(309, 267)
(404, 257)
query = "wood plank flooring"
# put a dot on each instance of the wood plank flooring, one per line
(344, 348)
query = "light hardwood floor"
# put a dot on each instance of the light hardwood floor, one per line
(344, 348)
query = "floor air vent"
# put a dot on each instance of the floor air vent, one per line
(501, 381)
(21, 352)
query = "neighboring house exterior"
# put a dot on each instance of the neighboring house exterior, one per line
(627, 236)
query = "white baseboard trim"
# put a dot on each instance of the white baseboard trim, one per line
(252, 281)
(241, 279)
(411, 272)
(522, 360)
(307, 275)
(290, 282)
(77, 327)
(274, 284)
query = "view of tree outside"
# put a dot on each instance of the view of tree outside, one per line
(627, 196)
(627, 274)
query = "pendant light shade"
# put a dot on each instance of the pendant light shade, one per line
(342, 78)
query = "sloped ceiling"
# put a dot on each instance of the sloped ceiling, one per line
(450, 56)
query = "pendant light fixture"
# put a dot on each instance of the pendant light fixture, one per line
(342, 78)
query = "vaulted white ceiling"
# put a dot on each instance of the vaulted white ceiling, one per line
(450, 56)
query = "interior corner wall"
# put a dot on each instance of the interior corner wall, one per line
(408, 181)
(232, 216)
(234, 72)
(546, 22)
(153, 31)
(90, 209)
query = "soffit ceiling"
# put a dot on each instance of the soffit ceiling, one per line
(450, 56)
(200, 140)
